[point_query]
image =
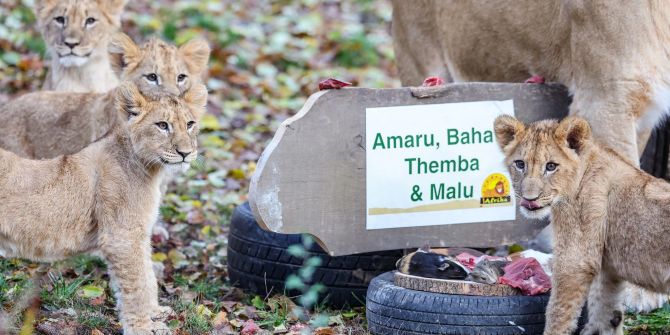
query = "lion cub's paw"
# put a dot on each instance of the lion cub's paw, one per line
(160, 328)
(154, 328)
(161, 313)
(605, 325)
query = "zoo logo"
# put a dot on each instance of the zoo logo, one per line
(496, 190)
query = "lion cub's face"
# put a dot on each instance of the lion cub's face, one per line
(157, 68)
(164, 131)
(543, 159)
(76, 31)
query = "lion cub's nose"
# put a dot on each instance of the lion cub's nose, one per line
(530, 199)
(184, 154)
(71, 44)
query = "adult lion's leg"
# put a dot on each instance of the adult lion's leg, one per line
(604, 306)
(416, 42)
(643, 136)
(129, 264)
(605, 106)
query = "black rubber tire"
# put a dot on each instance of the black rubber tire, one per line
(655, 156)
(259, 261)
(393, 310)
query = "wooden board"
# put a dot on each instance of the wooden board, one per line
(452, 286)
(311, 177)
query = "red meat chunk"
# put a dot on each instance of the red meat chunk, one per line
(527, 275)
(332, 84)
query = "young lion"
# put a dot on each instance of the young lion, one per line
(105, 198)
(611, 55)
(76, 33)
(610, 219)
(48, 124)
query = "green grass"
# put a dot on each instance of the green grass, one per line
(93, 321)
(656, 322)
(206, 289)
(195, 322)
(12, 282)
(63, 292)
(273, 312)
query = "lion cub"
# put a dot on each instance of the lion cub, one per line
(604, 211)
(105, 198)
(48, 124)
(76, 33)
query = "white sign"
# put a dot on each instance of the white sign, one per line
(437, 164)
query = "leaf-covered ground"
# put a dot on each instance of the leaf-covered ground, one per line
(268, 57)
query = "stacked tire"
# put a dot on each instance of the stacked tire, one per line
(393, 310)
(259, 261)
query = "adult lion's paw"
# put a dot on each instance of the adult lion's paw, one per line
(639, 300)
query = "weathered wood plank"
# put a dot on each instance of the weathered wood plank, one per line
(447, 286)
(311, 177)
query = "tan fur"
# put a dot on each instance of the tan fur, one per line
(89, 69)
(167, 62)
(613, 56)
(609, 218)
(48, 124)
(105, 198)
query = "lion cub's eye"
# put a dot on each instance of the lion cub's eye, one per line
(152, 77)
(181, 78)
(60, 20)
(551, 166)
(162, 125)
(520, 164)
(90, 21)
(190, 124)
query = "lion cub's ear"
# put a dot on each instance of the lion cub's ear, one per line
(507, 129)
(42, 9)
(113, 8)
(129, 100)
(123, 53)
(574, 131)
(196, 55)
(197, 96)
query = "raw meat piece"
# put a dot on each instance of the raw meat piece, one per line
(332, 84)
(535, 80)
(432, 81)
(527, 275)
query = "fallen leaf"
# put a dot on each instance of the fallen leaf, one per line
(99, 301)
(250, 328)
(229, 305)
(91, 291)
(236, 323)
(220, 320)
(159, 257)
(324, 331)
